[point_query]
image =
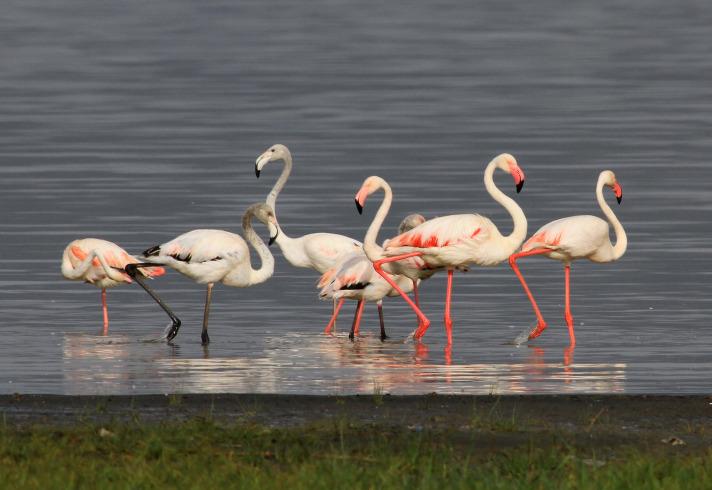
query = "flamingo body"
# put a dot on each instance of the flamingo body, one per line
(115, 257)
(356, 279)
(572, 238)
(318, 251)
(206, 256)
(100, 263)
(452, 241)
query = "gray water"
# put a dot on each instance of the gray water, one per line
(137, 121)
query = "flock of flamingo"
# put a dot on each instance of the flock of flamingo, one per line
(364, 272)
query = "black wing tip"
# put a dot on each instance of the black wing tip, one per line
(356, 286)
(149, 252)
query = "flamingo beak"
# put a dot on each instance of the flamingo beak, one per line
(618, 191)
(261, 161)
(518, 176)
(272, 239)
(360, 199)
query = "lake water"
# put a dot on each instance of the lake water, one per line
(137, 121)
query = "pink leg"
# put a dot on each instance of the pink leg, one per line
(424, 322)
(330, 326)
(448, 296)
(569, 355)
(357, 319)
(541, 324)
(567, 306)
(105, 310)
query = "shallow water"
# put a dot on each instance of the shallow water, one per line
(137, 122)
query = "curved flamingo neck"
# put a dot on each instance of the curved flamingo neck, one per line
(621, 239)
(370, 247)
(267, 260)
(282, 238)
(281, 181)
(519, 232)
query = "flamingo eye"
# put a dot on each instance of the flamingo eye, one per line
(272, 150)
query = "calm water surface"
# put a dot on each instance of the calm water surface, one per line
(137, 121)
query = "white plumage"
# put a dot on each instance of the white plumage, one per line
(572, 238)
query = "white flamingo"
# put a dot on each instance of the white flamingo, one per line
(318, 251)
(575, 237)
(355, 278)
(210, 256)
(451, 242)
(100, 263)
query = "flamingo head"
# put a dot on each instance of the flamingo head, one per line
(274, 152)
(609, 180)
(369, 186)
(265, 214)
(410, 222)
(509, 164)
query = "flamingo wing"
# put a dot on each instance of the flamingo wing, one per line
(330, 246)
(200, 246)
(443, 231)
(354, 271)
(576, 236)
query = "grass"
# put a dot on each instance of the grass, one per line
(200, 453)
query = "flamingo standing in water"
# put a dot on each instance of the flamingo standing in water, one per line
(101, 263)
(451, 242)
(575, 237)
(210, 256)
(355, 278)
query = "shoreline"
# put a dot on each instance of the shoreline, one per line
(575, 412)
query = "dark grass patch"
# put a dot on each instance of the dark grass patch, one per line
(202, 453)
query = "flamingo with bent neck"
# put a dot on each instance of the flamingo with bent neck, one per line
(446, 242)
(318, 251)
(100, 263)
(210, 256)
(575, 237)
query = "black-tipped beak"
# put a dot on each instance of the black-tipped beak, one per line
(619, 198)
(272, 239)
(519, 186)
(257, 172)
(358, 206)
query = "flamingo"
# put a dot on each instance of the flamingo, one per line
(449, 242)
(100, 263)
(355, 278)
(318, 251)
(575, 237)
(210, 256)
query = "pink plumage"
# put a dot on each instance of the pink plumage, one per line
(100, 263)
